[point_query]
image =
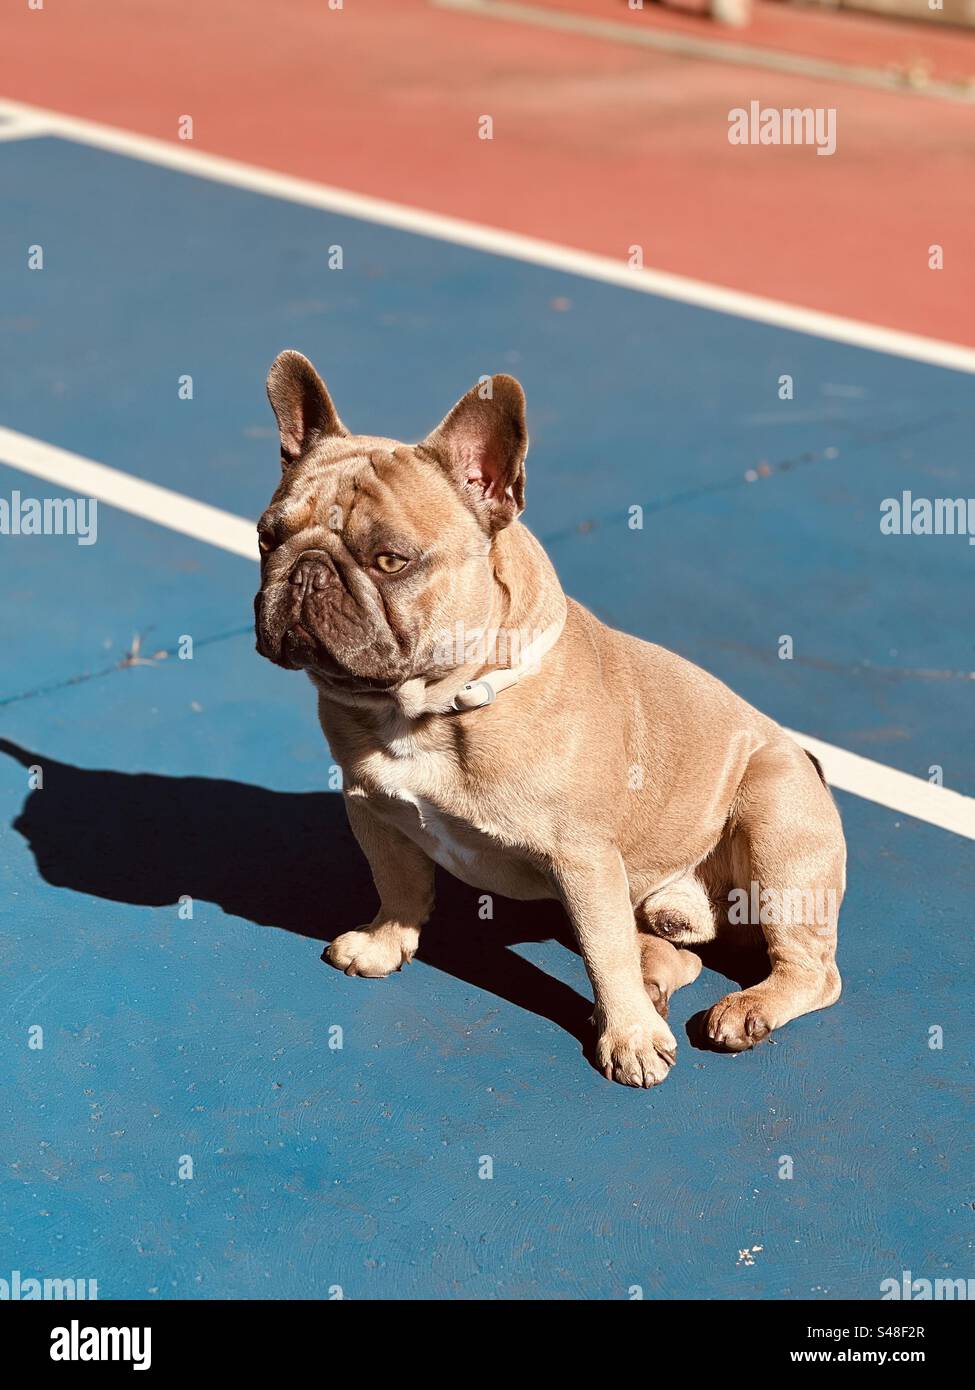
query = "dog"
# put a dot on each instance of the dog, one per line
(575, 763)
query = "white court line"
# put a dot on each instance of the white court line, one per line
(494, 241)
(20, 127)
(86, 478)
(850, 772)
(716, 50)
(889, 787)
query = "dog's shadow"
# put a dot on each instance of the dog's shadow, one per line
(285, 860)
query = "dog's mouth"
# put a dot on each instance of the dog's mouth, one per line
(289, 644)
(288, 634)
(298, 649)
(304, 652)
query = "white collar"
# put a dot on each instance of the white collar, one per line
(485, 690)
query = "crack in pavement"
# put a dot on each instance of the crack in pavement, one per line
(125, 663)
(851, 668)
(751, 475)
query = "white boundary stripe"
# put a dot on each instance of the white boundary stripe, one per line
(19, 127)
(86, 478)
(889, 787)
(496, 242)
(688, 46)
(886, 786)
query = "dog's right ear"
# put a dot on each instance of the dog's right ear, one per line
(301, 404)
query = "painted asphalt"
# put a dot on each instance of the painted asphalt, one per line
(213, 1037)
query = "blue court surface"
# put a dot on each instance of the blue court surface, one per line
(318, 1168)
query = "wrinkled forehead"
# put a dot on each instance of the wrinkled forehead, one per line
(350, 483)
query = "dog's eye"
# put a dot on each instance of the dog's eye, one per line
(390, 563)
(265, 540)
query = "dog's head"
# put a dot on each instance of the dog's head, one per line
(370, 549)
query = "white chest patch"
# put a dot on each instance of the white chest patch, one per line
(447, 849)
(412, 787)
(415, 776)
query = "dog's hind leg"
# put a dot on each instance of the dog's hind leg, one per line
(680, 912)
(665, 969)
(790, 837)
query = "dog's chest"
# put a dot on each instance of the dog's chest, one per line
(422, 793)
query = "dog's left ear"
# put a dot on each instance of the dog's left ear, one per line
(301, 404)
(482, 445)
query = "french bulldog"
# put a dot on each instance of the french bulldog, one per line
(486, 723)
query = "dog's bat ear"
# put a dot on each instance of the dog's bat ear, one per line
(482, 445)
(301, 404)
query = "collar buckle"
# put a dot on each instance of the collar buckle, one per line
(469, 689)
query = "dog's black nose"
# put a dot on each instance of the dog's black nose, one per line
(310, 571)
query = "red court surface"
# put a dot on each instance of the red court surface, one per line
(598, 144)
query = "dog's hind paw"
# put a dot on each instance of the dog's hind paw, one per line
(737, 1022)
(373, 951)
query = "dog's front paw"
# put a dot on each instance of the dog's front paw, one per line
(639, 1054)
(738, 1021)
(373, 951)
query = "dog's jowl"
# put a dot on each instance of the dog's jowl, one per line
(486, 723)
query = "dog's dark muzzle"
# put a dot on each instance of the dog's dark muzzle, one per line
(302, 615)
